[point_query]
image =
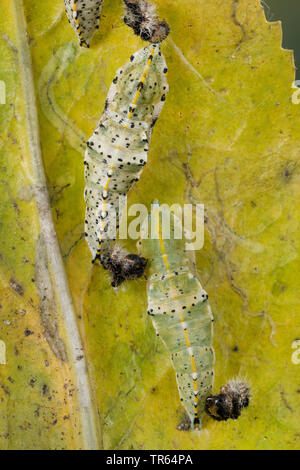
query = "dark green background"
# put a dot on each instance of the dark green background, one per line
(288, 11)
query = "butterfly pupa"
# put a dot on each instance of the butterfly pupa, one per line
(179, 309)
(117, 151)
(84, 17)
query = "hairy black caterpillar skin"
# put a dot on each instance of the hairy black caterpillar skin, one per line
(122, 265)
(84, 17)
(141, 17)
(233, 397)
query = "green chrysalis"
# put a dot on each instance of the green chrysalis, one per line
(180, 310)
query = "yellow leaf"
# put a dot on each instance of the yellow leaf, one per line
(228, 137)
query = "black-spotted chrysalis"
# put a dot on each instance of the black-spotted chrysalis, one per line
(84, 17)
(180, 310)
(117, 151)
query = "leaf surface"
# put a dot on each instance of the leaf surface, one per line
(228, 137)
